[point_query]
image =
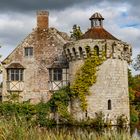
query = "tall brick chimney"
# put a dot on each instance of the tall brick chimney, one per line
(43, 19)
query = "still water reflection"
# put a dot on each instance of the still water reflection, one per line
(75, 130)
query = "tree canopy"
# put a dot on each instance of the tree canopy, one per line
(136, 63)
(76, 32)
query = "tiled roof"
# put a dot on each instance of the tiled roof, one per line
(98, 33)
(96, 16)
(59, 63)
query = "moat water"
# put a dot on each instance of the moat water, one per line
(75, 130)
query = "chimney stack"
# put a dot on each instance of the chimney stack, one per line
(42, 19)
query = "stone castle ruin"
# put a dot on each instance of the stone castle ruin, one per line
(48, 59)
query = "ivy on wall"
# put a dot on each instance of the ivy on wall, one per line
(60, 101)
(86, 77)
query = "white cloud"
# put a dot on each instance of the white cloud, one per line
(14, 27)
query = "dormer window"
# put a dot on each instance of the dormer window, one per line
(15, 74)
(55, 74)
(28, 51)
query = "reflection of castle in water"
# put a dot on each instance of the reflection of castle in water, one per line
(109, 132)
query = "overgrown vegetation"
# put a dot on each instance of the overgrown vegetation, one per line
(35, 114)
(42, 115)
(76, 32)
(86, 77)
(136, 63)
(122, 120)
(21, 129)
(134, 97)
(59, 103)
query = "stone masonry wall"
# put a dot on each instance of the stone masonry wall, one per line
(112, 84)
(47, 46)
(112, 77)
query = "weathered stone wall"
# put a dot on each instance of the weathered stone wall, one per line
(47, 46)
(112, 78)
(113, 48)
(111, 84)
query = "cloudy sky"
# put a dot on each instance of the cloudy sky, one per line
(18, 18)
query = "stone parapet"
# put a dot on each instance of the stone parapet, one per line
(112, 48)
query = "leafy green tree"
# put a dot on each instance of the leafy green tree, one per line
(0, 70)
(76, 33)
(131, 84)
(0, 64)
(134, 96)
(136, 63)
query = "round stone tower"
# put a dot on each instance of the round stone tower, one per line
(110, 92)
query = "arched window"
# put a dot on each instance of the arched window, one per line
(80, 52)
(96, 49)
(88, 50)
(109, 104)
(74, 52)
(69, 54)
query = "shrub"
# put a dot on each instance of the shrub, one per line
(122, 120)
(134, 119)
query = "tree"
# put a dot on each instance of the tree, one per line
(76, 33)
(131, 84)
(0, 71)
(136, 63)
(0, 64)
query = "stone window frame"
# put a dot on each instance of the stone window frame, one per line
(109, 104)
(15, 74)
(28, 51)
(56, 74)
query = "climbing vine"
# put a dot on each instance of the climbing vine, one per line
(60, 101)
(86, 77)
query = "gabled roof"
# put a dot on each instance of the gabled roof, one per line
(60, 62)
(98, 33)
(15, 65)
(61, 36)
